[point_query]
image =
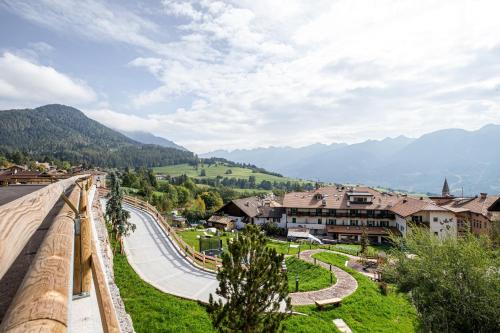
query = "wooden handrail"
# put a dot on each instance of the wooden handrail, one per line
(109, 318)
(185, 248)
(42, 301)
(20, 218)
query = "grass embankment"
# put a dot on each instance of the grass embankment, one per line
(352, 249)
(367, 310)
(311, 277)
(191, 237)
(154, 311)
(213, 171)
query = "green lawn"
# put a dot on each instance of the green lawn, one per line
(218, 170)
(154, 311)
(311, 277)
(367, 310)
(191, 237)
(353, 249)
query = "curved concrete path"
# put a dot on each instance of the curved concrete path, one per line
(344, 286)
(154, 257)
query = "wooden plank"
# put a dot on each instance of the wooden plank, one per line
(109, 318)
(20, 218)
(86, 240)
(41, 302)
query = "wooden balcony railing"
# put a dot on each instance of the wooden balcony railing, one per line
(22, 217)
(43, 301)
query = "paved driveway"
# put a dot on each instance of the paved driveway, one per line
(153, 256)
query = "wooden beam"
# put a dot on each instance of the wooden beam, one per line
(107, 311)
(42, 301)
(20, 218)
(86, 250)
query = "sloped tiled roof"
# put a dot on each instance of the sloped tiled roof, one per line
(220, 219)
(477, 205)
(333, 197)
(408, 206)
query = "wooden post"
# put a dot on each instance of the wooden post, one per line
(83, 248)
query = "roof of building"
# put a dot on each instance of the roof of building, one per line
(259, 207)
(333, 197)
(478, 205)
(408, 206)
(271, 212)
(220, 219)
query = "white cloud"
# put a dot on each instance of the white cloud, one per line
(30, 84)
(293, 72)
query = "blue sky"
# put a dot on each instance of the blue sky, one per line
(244, 74)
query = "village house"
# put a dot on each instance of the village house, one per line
(477, 213)
(254, 210)
(223, 223)
(343, 213)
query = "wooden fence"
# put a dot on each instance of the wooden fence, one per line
(43, 300)
(21, 218)
(196, 257)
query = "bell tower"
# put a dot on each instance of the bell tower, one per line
(446, 189)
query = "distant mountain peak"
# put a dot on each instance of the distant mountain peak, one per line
(148, 138)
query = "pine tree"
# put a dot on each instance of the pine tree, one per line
(365, 242)
(116, 215)
(253, 285)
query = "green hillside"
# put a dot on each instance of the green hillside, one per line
(221, 169)
(65, 133)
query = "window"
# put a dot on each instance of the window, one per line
(320, 221)
(384, 223)
(294, 220)
(416, 219)
(370, 223)
(435, 219)
(293, 211)
(332, 222)
(435, 233)
(354, 222)
(318, 211)
(276, 219)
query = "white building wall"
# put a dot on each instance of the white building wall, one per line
(401, 225)
(443, 224)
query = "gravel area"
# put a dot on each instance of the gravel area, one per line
(107, 256)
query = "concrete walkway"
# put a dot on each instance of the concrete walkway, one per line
(154, 257)
(157, 261)
(344, 286)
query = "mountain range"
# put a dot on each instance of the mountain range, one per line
(468, 159)
(65, 133)
(148, 138)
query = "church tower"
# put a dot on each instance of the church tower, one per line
(446, 189)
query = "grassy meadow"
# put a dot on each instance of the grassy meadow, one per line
(213, 171)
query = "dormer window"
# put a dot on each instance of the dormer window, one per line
(360, 197)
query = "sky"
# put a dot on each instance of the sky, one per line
(255, 73)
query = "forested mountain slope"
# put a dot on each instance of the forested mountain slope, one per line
(65, 133)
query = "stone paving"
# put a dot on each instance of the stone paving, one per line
(344, 286)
